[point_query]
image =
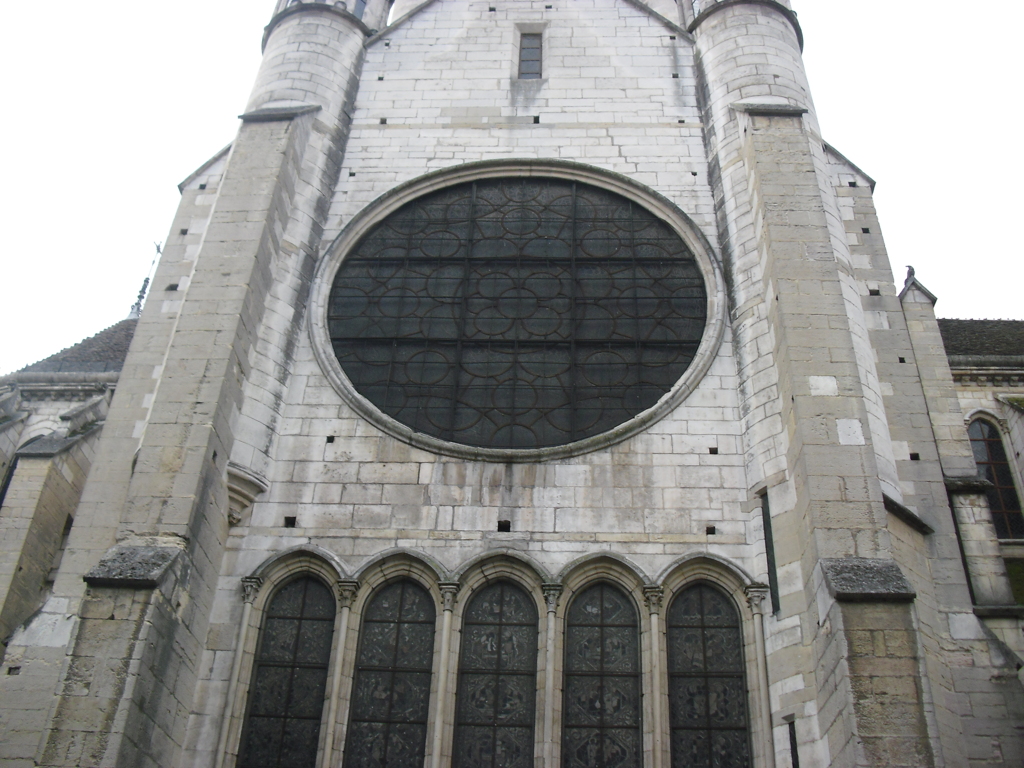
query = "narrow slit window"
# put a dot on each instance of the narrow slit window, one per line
(769, 549)
(529, 56)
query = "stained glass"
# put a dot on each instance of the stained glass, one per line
(497, 680)
(286, 697)
(391, 690)
(601, 711)
(707, 689)
(990, 456)
(517, 313)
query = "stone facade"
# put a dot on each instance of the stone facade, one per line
(813, 466)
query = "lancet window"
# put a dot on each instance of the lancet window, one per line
(707, 690)
(990, 456)
(290, 678)
(391, 690)
(494, 715)
(495, 703)
(601, 711)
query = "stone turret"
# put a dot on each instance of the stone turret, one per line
(817, 438)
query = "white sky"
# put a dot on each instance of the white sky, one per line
(110, 105)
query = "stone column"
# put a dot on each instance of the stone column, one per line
(552, 592)
(654, 596)
(448, 592)
(346, 590)
(756, 596)
(250, 589)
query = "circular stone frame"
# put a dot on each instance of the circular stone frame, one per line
(379, 209)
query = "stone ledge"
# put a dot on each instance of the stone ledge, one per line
(764, 109)
(999, 611)
(907, 515)
(275, 114)
(969, 484)
(866, 580)
(132, 567)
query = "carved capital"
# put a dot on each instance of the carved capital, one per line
(251, 587)
(756, 595)
(449, 589)
(551, 594)
(654, 596)
(347, 589)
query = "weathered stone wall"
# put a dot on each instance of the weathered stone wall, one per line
(827, 392)
(41, 498)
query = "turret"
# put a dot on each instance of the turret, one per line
(819, 449)
(311, 54)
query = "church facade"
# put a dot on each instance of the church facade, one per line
(526, 385)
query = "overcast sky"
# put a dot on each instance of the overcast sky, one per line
(110, 105)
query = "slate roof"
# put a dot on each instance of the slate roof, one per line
(105, 352)
(983, 338)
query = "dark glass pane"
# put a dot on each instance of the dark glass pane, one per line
(513, 747)
(406, 745)
(990, 456)
(372, 698)
(299, 743)
(583, 649)
(518, 648)
(517, 313)
(601, 709)
(290, 678)
(730, 749)
(279, 639)
(391, 690)
(496, 698)
(707, 692)
(307, 693)
(315, 642)
(288, 600)
(378, 643)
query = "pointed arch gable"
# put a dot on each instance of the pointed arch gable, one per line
(592, 566)
(295, 557)
(390, 564)
(705, 565)
(495, 562)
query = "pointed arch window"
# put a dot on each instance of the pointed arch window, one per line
(601, 709)
(391, 690)
(282, 726)
(990, 456)
(496, 699)
(707, 689)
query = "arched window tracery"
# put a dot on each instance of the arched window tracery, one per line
(707, 687)
(993, 465)
(282, 724)
(602, 703)
(496, 698)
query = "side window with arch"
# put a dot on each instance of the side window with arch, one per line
(496, 699)
(282, 724)
(707, 689)
(601, 702)
(990, 456)
(391, 690)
